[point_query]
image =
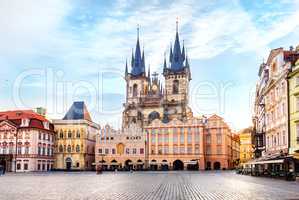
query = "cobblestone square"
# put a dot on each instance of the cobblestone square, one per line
(144, 185)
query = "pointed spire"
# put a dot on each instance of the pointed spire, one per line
(126, 70)
(170, 54)
(132, 59)
(149, 72)
(165, 64)
(183, 52)
(143, 61)
(177, 60)
(137, 67)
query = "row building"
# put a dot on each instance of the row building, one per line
(275, 120)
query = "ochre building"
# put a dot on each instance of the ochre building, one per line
(75, 139)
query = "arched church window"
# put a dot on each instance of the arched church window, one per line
(135, 91)
(175, 87)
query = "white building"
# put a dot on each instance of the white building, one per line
(26, 141)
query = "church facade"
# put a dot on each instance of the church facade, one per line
(158, 111)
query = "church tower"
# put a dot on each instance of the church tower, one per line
(177, 76)
(136, 86)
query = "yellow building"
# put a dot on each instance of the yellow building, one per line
(294, 110)
(246, 149)
(75, 139)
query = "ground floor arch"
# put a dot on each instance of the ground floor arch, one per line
(217, 166)
(178, 165)
(68, 163)
(164, 165)
(128, 164)
(208, 165)
(193, 165)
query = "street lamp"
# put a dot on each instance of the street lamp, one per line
(16, 135)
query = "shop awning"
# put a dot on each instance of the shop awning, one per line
(191, 162)
(114, 163)
(267, 162)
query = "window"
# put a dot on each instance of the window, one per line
(189, 149)
(78, 164)
(153, 137)
(127, 151)
(196, 149)
(69, 134)
(100, 151)
(159, 150)
(106, 151)
(61, 134)
(182, 138)
(18, 166)
(278, 139)
(297, 103)
(175, 150)
(141, 151)
(219, 138)
(189, 138)
(38, 167)
(69, 148)
(175, 87)
(219, 150)
(197, 137)
(113, 151)
(160, 138)
(39, 136)
(208, 150)
(39, 151)
(26, 150)
(19, 150)
(166, 137)
(135, 90)
(297, 81)
(166, 150)
(208, 139)
(78, 148)
(78, 134)
(134, 151)
(44, 136)
(25, 166)
(60, 148)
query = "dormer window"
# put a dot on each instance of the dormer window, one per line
(25, 122)
(46, 125)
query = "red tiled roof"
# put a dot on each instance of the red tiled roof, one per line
(21, 114)
(16, 116)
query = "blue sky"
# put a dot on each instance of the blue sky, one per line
(55, 52)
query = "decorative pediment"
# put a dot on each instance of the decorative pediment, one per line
(7, 125)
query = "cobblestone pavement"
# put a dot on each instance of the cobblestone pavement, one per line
(144, 185)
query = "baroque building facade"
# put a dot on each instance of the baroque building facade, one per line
(75, 139)
(26, 141)
(272, 138)
(159, 113)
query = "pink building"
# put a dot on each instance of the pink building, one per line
(26, 141)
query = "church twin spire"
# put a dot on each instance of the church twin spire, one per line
(137, 61)
(177, 57)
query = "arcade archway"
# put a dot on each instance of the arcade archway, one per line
(178, 165)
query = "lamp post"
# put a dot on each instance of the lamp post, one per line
(16, 153)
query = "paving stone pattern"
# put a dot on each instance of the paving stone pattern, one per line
(144, 186)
